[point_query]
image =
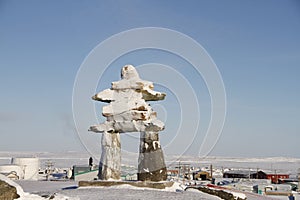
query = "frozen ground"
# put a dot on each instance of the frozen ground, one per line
(280, 164)
(108, 193)
(68, 159)
(124, 194)
(120, 192)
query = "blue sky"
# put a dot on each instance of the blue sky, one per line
(255, 45)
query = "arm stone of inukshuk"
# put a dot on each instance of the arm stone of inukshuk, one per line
(128, 126)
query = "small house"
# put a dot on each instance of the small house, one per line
(201, 175)
(275, 178)
(245, 174)
(84, 173)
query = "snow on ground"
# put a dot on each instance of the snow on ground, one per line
(111, 193)
(68, 159)
(27, 196)
(237, 194)
(43, 187)
(124, 192)
(129, 192)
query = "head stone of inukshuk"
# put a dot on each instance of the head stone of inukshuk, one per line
(128, 111)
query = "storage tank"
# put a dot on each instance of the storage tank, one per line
(30, 167)
(7, 169)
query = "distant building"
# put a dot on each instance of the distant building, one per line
(15, 172)
(29, 165)
(276, 178)
(201, 175)
(21, 168)
(172, 172)
(245, 174)
(84, 173)
(129, 177)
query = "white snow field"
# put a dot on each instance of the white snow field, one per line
(68, 159)
(67, 189)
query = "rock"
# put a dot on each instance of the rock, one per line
(133, 115)
(151, 164)
(220, 193)
(150, 95)
(117, 107)
(110, 161)
(128, 126)
(128, 111)
(7, 192)
(104, 96)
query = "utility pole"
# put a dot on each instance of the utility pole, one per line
(249, 173)
(49, 164)
(211, 172)
(179, 170)
(189, 175)
(299, 180)
(185, 171)
(178, 174)
(183, 174)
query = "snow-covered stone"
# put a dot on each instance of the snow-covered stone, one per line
(151, 157)
(128, 111)
(27, 196)
(110, 161)
(128, 126)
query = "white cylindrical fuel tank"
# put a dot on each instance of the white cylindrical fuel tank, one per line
(30, 167)
(6, 169)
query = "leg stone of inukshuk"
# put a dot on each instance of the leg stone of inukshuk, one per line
(110, 161)
(151, 166)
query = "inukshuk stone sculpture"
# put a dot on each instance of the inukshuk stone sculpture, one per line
(128, 112)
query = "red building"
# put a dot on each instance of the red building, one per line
(172, 172)
(275, 177)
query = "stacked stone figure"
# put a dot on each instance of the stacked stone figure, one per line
(128, 111)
